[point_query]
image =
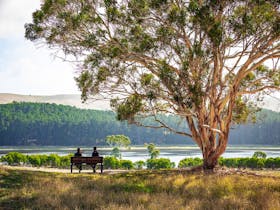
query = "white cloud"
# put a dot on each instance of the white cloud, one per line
(34, 71)
(25, 69)
(14, 14)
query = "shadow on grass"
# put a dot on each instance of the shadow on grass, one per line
(13, 179)
(16, 202)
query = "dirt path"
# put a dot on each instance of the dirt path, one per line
(58, 170)
(221, 171)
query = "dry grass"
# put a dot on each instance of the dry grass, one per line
(137, 190)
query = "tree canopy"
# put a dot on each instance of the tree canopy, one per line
(199, 59)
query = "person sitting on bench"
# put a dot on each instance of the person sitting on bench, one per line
(94, 154)
(78, 154)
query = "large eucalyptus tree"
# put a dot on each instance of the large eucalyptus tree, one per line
(198, 59)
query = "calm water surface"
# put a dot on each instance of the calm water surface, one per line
(174, 153)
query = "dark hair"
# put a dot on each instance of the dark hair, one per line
(94, 148)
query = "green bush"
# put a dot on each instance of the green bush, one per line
(255, 163)
(160, 163)
(34, 160)
(14, 158)
(65, 160)
(111, 163)
(53, 160)
(259, 154)
(272, 162)
(44, 160)
(243, 162)
(139, 164)
(229, 162)
(126, 164)
(188, 162)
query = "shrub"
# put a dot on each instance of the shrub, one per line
(259, 154)
(34, 160)
(229, 162)
(243, 162)
(139, 164)
(14, 158)
(65, 160)
(53, 160)
(111, 162)
(272, 162)
(44, 160)
(188, 162)
(126, 164)
(160, 163)
(255, 163)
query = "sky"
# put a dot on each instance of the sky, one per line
(26, 68)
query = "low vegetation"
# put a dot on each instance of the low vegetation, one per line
(247, 162)
(257, 161)
(145, 189)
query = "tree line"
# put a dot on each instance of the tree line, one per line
(25, 123)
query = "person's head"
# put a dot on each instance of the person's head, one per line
(94, 148)
(78, 149)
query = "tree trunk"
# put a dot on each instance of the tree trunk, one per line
(210, 162)
(212, 154)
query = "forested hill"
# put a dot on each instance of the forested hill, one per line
(50, 124)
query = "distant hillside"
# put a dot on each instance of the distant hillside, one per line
(27, 123)
(71, 100)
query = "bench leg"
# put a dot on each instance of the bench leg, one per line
(101, 168)
(71, 167)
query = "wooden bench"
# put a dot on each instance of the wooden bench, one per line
(92, 161)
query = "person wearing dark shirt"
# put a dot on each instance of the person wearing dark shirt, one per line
(78, 154)
(94, 153)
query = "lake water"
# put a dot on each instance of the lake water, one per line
(174, 153)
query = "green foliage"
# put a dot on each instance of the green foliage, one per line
(126, 164)
(242, 162)
(272, 162)
(52, 160)
(14, 158)
(244, 111)
(161, 163)
(188, 162)
(116, 152)
(127, 109)
(111, 163)
(153, 152)
(139, 164)
(34, 160)
(259, 154)
(118, 140)
(146, 79)
(254, 162)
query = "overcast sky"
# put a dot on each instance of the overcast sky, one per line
(24, 67)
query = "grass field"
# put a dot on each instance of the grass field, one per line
(172, 189)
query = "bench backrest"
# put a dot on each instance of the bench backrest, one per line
(88, 160)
